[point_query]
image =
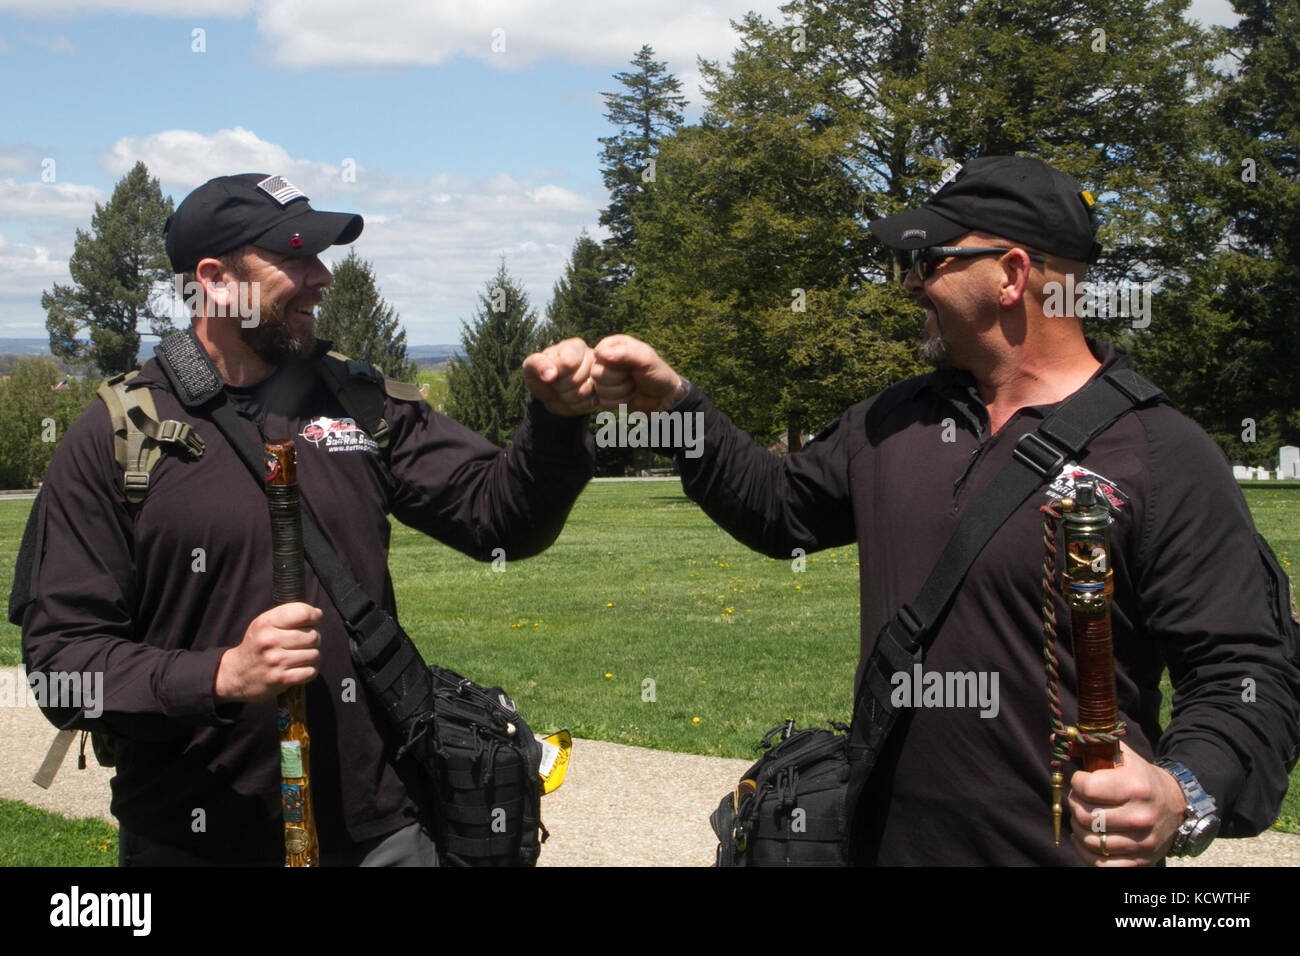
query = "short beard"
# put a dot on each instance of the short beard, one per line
(274, 340)
(934, 351)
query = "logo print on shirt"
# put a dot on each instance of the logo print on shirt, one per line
(1062, 485)
(339, 434)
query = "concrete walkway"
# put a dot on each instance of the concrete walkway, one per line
(619, 806)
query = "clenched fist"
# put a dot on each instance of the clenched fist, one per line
(1125, 816)
(629, 372)
(560, 377)
(280, 649)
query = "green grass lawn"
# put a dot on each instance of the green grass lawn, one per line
(643, 624)
(31, 837)
(646, 624)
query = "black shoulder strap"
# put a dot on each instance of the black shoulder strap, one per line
(386, 657)
(1037, 457)
(193, 376)
(359, 387)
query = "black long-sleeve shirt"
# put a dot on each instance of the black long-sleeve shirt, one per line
(153, 596)
(896, 474)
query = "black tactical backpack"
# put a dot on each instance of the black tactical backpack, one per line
(791, 808)
(480, 760)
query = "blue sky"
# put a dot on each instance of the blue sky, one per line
(462, 152)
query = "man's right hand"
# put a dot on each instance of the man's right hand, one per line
(627, 371)
(280, 649)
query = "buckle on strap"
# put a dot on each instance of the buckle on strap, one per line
(898, 643)
(181, 433)
(1038, 455)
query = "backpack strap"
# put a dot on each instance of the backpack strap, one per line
(360, 389)
(138, 440)
(138, 436)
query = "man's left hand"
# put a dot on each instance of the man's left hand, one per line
(560, 377)
(1137, 807)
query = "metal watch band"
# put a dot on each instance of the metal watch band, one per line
(1201, 823)
(683, 389)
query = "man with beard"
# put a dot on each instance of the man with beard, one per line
(165, 589)
(962, 785)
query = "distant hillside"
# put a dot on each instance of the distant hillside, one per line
(423, 355)
(24, 346)
(430, 355)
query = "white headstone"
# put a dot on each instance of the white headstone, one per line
(1241, 472)
(1288, 462)
(1261, 474)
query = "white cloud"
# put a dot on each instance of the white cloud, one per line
(555, 197)
(325, 33)
(28, 270)
(434, 240)
(187, 158)
(330, 32)
(164, 8)
(21, 159)
(441, 242)
(43, 201)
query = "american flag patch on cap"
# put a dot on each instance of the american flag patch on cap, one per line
(281, 190)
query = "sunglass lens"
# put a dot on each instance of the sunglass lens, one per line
(920, 262)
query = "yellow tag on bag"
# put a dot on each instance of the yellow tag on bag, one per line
(556, 750)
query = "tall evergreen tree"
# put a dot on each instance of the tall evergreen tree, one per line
(360, 323)
(583, 305)
(485, 390)
(648, 109)
(582, 300)
(116, 270)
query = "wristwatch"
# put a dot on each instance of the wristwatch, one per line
(1201, 821)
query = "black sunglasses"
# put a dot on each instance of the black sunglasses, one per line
(923, 261)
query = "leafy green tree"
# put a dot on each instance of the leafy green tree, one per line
(485, 390)
(34, 414)
(847, 112)
(116, 270)
(748, 262)
(1260, 115)
(360, 323)
(1223, 344)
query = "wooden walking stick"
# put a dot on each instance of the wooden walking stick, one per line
(289, 584)
(1088, 585)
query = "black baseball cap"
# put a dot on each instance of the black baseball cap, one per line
(252, 208)
(1014, 197)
